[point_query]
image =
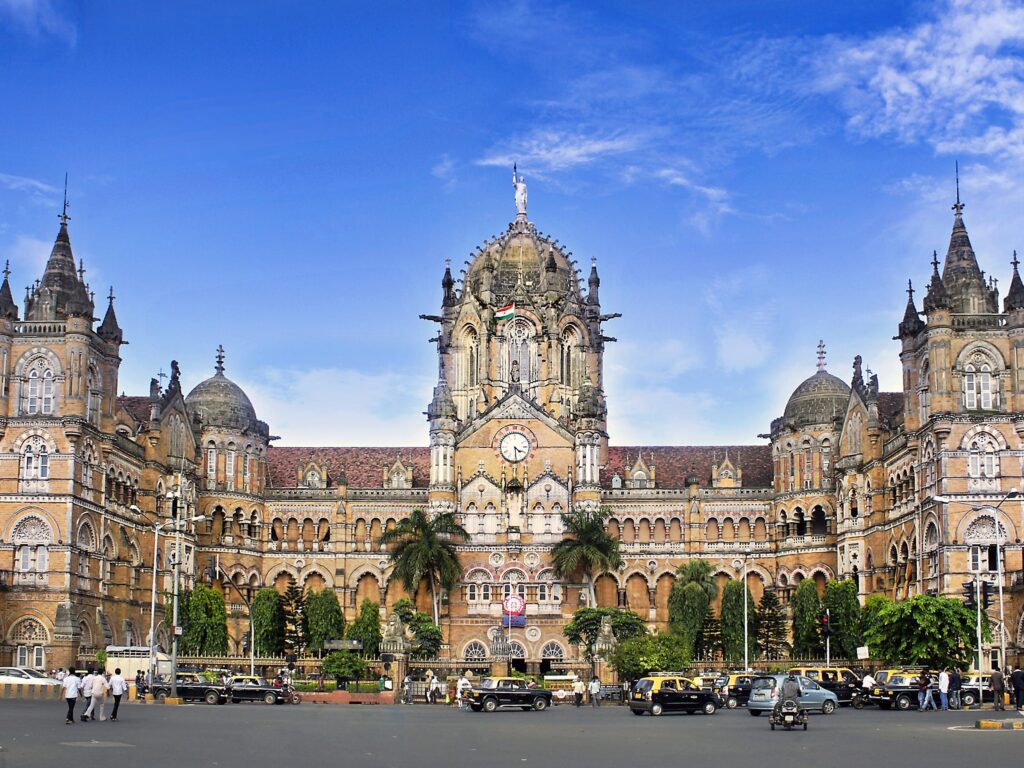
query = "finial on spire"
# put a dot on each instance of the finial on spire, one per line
(219, 368)
(81, 270)
(7, 266)
(1015, 262)
(821, 355)
(111, 296)
(958, 207)
(64, 214)
(910, 290)
(935, 261)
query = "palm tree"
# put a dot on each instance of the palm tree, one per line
(585, 548)
(424, 547)
(701, 573)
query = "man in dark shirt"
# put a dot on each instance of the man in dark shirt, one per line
(1017, 680)
(924, 691)
(997, 684)
(955, 684)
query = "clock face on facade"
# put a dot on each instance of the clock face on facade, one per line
(514, 447)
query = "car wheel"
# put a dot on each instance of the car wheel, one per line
(540, 704)
(490, 705)
(858, 703)
(656, 709)
(295, 698)
(211, 697)
(161, 696)
(732, 702)
(754, 712)
(828, 707)
(967, 700)
(709, 707)
(903, 703)
(269, 698)
(637, 712)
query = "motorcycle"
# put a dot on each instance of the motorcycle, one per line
(788, 715)
(861, 700)
(292, 696)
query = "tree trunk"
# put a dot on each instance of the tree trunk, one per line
(588, 581)
(434, 602)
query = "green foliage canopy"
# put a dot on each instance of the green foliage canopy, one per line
(323, 620)
(731, 622)
(844, 617)
(586, 548)
(771, 626)
(806, 607)
(366, 627)
(207, 633)
(926, 630)
(688, 608)
(346, 664)
(268, 622)
(586, 623)
(637, 656)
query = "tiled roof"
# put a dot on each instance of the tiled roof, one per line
(363, 467)
(139, 407)
(673, 463)
(890, 406)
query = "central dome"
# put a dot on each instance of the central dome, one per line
(820, 399)
(220, 402)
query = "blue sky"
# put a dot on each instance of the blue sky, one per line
(288, 178)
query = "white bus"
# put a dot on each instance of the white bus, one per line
(131, 658)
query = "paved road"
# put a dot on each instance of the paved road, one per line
(33, 735)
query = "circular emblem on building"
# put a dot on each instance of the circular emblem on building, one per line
(532, 559)
(496, 559)
(533, 634)
(513, 605)
(299, 562)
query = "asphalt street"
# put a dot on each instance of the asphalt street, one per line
(33, 735)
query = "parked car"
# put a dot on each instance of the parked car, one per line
(813, 698)
(25, 676)
(734, 689)
(842, 681)
(252, 688)
(658, 694)
(192, 687)
(495, 692)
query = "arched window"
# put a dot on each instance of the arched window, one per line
(211, 462)
(229, 467)
(93, 395)
(570, 358)
(826, 459)
(982, 459)
(513, 581)
(923, 392)
(552, 650)
(474, 651)
(30, 639)
(978, 386)
(469, 359)
(521, 354)
(35, 459)
(31, 537)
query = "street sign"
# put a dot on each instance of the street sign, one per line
(863, 652)
(344, 645)
(513, 621)
(513, 605)
(178, 631)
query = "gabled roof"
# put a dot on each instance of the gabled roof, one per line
(138, 407)
(672, 463)
(363, 467)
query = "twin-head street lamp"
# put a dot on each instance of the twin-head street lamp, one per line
(999, 540)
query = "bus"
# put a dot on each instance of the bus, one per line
(131, 658)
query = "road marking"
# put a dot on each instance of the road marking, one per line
(95, 743)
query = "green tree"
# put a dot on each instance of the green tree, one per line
(926, 630)
(344, 664)
(640, 655)
(323, 620)
(873, 606)
(422, 547)
(268, 622)
(366, 627)
(688, 608)
(709, 642)
(207, 633)
(701, 573)
(586, 623)
(427, 636)
(586, 549)
(292, 603)
(806, 607)
(844, 617)
(771, 626)
(731, 622)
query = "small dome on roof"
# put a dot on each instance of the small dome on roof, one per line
(220, 402)
(819, 399)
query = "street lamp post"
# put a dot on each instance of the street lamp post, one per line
(248, 607)
(180, 513)
(152, 600)
(746, 630)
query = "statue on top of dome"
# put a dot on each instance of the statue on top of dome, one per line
(519, 184)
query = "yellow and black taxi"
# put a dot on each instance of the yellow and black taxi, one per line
(734, 688)
(495, 692)
(899, 691)
(670, 693)
(843, 682)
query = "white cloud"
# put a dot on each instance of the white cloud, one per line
(27, 256)
(338, 406)
(444, 171)
(37, 191)
(546, 151)
(39, 18)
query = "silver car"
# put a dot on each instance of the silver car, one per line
(764, 695)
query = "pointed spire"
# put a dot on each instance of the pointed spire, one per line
(912, 323)
(936, 298)
(821, 356)
(1015, 296)
(109, 328)
(219, 367)
(61, 292)
(8, 309)
(963, 279)
(593, 283)
(448, 285)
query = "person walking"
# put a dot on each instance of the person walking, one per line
(1017, 681)
(955, 684)
(924, 691)
(461, 689)
(118, 687)
(595, 692)
(435, 689)
(99, 697)
(87, 693)
(578, 689)
(71, 686)
(997, 684)
(944, 690)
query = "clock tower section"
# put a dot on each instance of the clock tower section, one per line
(518, 418)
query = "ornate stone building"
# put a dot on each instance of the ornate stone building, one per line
(845, 486)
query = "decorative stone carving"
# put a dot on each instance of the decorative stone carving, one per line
(32, 530)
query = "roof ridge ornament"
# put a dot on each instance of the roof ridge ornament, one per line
(821, 356)
(64, 214)
(958, 207)
(219, 367)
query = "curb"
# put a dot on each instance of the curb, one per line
(999, 725)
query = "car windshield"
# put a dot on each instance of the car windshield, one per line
(764, 682)
(35, 673)
(644, 686)
(899, 680)
(488, 684)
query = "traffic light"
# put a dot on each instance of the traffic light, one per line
(969, 599)
(826, 630)
(986, 595)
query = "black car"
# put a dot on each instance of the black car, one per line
(734, 689)
(665, 693)
(494, 692)
(900, 692)
(192, 687)
(252, 688)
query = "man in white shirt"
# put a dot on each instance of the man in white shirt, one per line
(867, 683)
(99, 695)
(71, 685)
(944, 689)
(594, 689)
(87, 693)
(461, 688)
(118, 687)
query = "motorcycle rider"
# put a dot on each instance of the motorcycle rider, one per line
(789, 690)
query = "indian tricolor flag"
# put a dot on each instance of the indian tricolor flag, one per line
(506, 312)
